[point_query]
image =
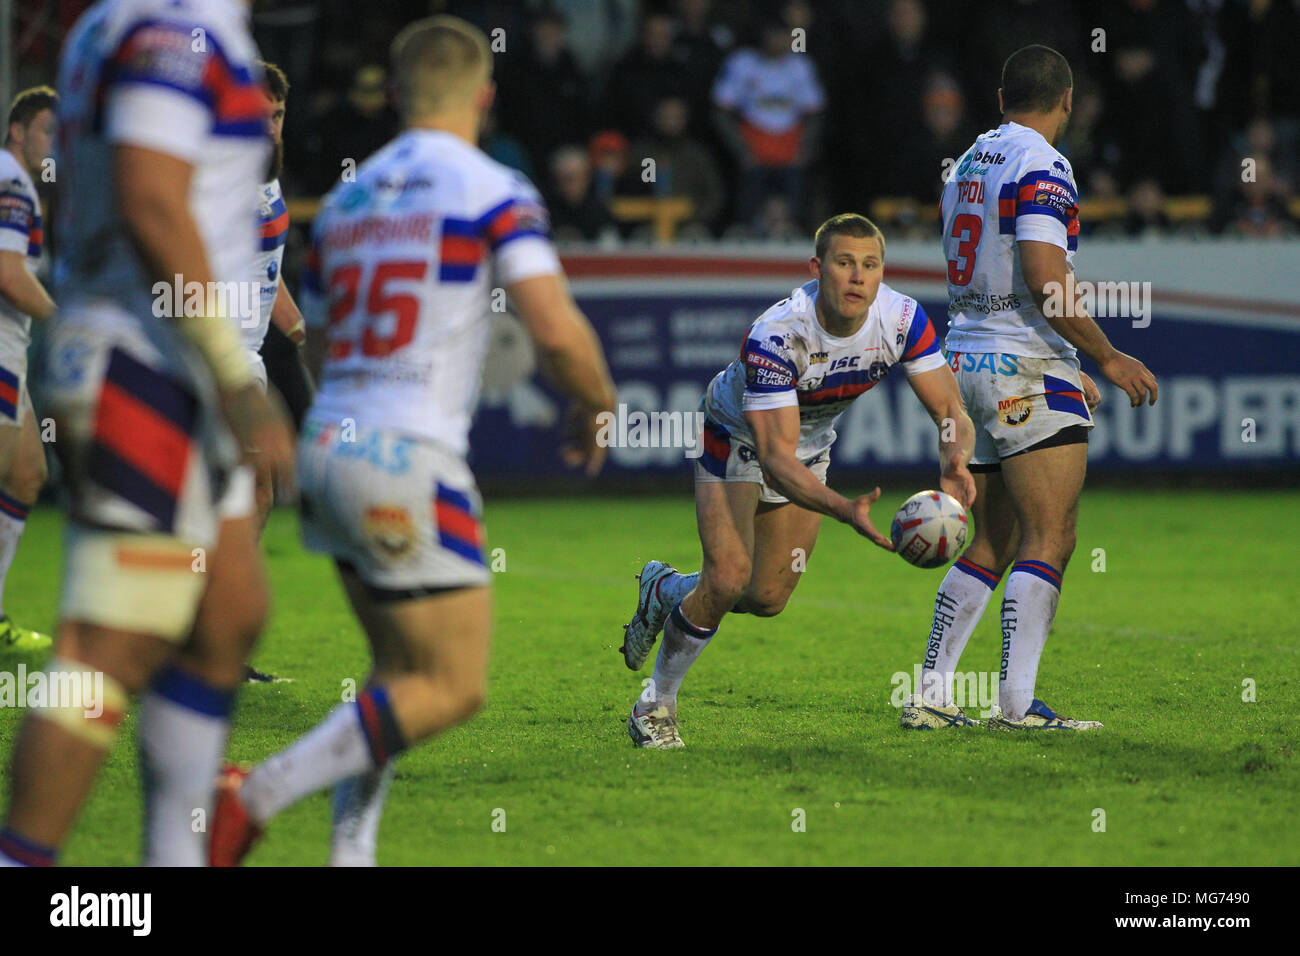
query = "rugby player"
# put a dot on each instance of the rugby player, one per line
(275, 303)
(1011, 228)
(760, 484)
(161, 150)
(409, 254)
(27, 146)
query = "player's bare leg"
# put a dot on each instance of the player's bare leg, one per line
(1044, 487)
(263, 501)
(434, 654)
(960, 603)
(185, 713)
(60, 748)
(359, 800)
(22, 465)
(263, 494)
(725, 515)
(784, 536)
(997, 530)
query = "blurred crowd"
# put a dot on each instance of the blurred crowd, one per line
(769, 115)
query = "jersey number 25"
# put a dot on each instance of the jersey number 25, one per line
(344, 283)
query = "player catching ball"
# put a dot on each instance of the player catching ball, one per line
(760, 485)
(1011, 227)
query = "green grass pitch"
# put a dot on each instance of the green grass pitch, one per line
(794, 713)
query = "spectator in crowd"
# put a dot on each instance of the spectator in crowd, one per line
(1146, 216)
(653, 69)
(1218, 80)
(576, 211)
(683, 167)
(1088, 143)
(1165, 93)
(702, 43)
(775, 222)
(894, 73)
(769, 103)
(1239, 164)
(503, 147)
(1153, 129)
(981, 34)
(1262, 210)
(357, 125)
(600, 32)
(610, 161)
(543, 99)
(1279, 81)
(916, 162)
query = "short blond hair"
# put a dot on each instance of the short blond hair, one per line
(439, 63)
(846, 224)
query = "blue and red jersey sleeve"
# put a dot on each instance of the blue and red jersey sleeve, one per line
(497, 233)
(20, 229)
(1043, 206)
(920, 352)
(169, 86)
(768, 368)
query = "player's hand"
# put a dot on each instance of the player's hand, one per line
(957, 481)
(262, 432)
(1132, 376)
(860, 517)
(1091, 393)
(580, 448)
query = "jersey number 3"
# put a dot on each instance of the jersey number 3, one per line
(969, 226)
(404, 306)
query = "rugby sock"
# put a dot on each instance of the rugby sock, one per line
(1028, 606)
(352, 739)
(683, 642)
(358, 805)
(13, 519)
(184, 722)
(672, 588)
(958, 606)
(19, 851)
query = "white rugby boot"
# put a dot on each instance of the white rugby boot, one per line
(656, 730)
(640, 633)
(1040, 717)
(918, 715)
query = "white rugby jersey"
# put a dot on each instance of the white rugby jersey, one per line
(772, 94)
(273, 223)
(1010, 185)
(178, 77)
(21, 232)
(787, 358)
(407, 257)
